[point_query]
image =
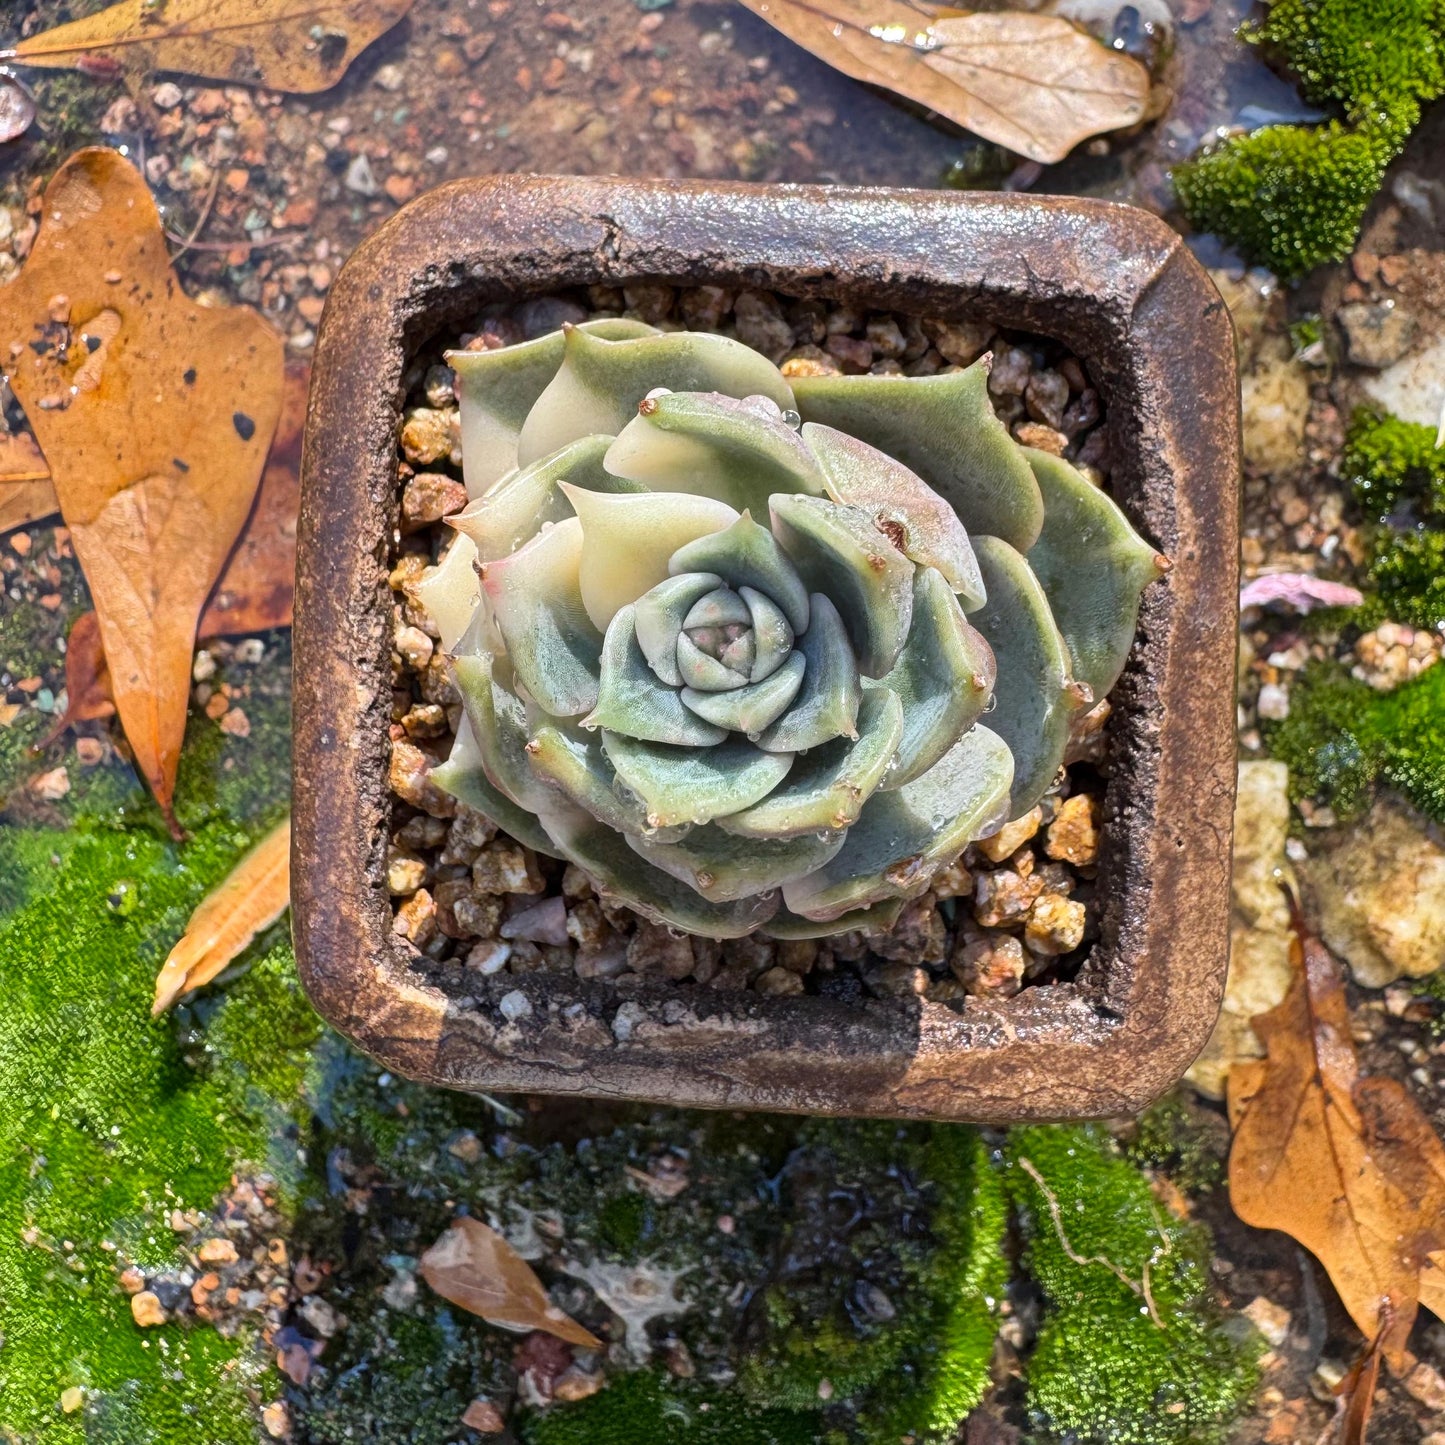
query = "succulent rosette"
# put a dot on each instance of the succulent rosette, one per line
(756, 653)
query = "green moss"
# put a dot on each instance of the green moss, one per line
(1393, 464)
(898, 1320)
(1408, 571)
(1104, 1369)
(107, 1121)
(1341, 738)
(1171, 1136)
(408, 1377)
(1362, 55)
(624, 1223)
(649, 1406)
(1293, 198)
(946, 1363)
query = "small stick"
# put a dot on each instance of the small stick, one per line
(1142, 1290)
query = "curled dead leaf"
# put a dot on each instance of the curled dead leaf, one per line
(155, 453)
(1034, 83)
(1347, 1165)
(295, 45)
(87, 679)
(474, 1267)
(254, 895)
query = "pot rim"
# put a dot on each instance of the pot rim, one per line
(1114, 284)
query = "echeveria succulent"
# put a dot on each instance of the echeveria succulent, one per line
(734, 636)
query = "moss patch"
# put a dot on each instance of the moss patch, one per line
(1106, 1367)
(106, 1121)
(1341, 738)
(888, 1270)
(652, 1407)
(1293, 198)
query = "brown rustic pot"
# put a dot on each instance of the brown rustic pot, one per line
(1113, 284)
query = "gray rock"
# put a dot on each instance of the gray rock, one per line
(1377, 333)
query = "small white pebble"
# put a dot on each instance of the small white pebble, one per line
(1274, 701)
(515, 1005)
(626, 1020)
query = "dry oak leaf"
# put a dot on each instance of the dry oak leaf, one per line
(1347, 1165)
(253, 896)
(474, 1267)
(87, 679)
(258, 587)
(294, 45)
(155, 415)
(26, 492)
(1033, 83)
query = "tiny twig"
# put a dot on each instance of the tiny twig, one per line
(1142, 1289)
(187, 244)
(189, 241)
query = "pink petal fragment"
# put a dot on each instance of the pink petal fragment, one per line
(1298, 591)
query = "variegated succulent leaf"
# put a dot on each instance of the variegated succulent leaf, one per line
(760, 655)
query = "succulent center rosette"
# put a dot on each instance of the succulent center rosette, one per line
(725, 642)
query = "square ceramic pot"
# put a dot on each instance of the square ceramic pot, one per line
(1124, 294)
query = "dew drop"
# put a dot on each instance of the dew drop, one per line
(989, 706)
(792, 418)
(754, 736)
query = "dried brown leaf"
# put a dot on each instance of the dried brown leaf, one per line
(1033, 83)
(294, 45)
(1355, 1394)
(155, 415)
(474, 1267)
(258, 587)
(87, 679)
(26, 492)
(1348, 1166)
(254, 895)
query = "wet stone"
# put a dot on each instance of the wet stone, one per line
(991, 966)
(428, 497)
(469, 833)
(960, 343)
(1073, 836)
(1042, 438)
(778, 981)
(1046, 396)
(405, 873)
(853, 355)
(489, 957)
(1003, 897)
(1377, 333)
(918, 936)
(1011, 837)
(1011, 370)
(810, 360)
(429, 434)
(760, 324)
(416, 920)
(1055, 925)
(657, 950)
(703, 307)
(506, 867)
